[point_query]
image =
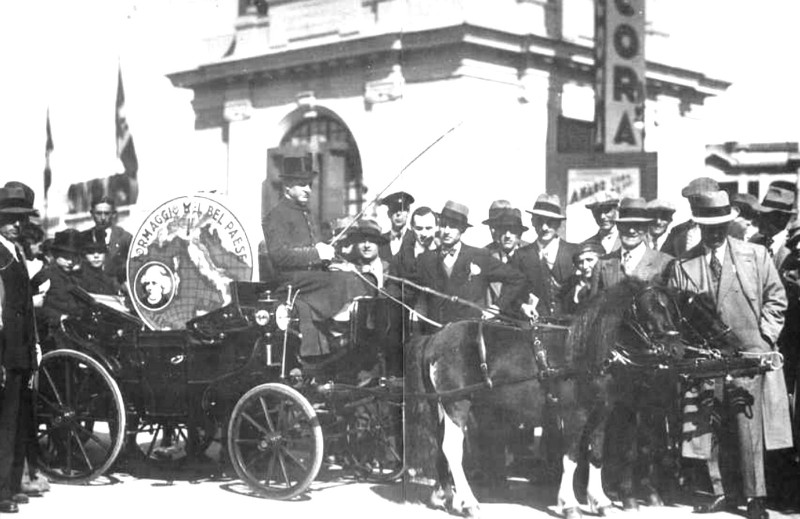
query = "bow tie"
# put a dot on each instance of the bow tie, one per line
(449, 252)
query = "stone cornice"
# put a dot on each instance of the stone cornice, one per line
(520, 51)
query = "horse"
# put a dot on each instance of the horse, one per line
(484, 365)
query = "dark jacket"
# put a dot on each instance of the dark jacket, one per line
(290, 232)
(654, 266)
(472, 272)
(59, 299)
(385, 251)
(119, 243)
(538, 275)
(18, 335)
(95, 281)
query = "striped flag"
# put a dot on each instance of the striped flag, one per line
(126, 152)
(48, 148)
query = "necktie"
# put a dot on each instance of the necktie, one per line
(626, 263)
(448, 260)
(716, 268)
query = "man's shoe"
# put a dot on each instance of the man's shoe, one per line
(20, 498)
(8, 506)
(720, 503)
(756, 509)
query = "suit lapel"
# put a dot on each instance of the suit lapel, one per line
(645, 266)
(693, 268)
(612, 269)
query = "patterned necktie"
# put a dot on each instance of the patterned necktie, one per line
(716, 268)
(626, 263)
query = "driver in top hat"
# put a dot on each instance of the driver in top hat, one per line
(398, 237)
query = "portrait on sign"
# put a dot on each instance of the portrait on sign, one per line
(155, 285)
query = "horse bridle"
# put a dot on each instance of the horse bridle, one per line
(651, 342)
(709, 345)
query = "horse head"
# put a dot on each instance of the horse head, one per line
(704, 331)
(651, 327)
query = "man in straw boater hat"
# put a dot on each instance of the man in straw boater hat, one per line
(686, 235)
(634, 258)
(300, 258)
(749, 297)
(505, 225)
(397, 207)
(547, 262)
(604, 211)
(18, 357)
(465, 272)
(774, 213)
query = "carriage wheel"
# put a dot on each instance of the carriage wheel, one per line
(80, 417)
(275, 441)
(375, 440)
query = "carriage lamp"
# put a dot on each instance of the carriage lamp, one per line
(262, 317)
(282, 317)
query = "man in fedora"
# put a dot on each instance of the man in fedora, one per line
(547, 262)
(397, 207)
(116, 239)
(300, 258)
(774, 213)
(661, 212)
(604, 211)
(744, 226)
(634, 258)
(505, 225)
(17, 350)
(686, 235)
(749, 297)
(464, 272)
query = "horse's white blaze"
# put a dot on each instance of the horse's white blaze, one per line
(453, 449)
(594, 490)
(566, 492)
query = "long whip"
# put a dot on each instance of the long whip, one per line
(378, 196)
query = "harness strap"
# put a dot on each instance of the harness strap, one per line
(482, 355)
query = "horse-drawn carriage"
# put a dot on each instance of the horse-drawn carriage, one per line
(116, 383)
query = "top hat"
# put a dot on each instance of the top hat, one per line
(699, 186)
(14, 201)
(399, 201)
(712, 208)
(509, 217)
(497, 207)
(68, 240)
(603, 199)
(456, 213)
(633, 210)
(298, 175)
(548, 206)
(657, 206)
(587, 247)
(367, 230)
(778, 199)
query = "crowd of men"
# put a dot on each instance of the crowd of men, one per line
(36, 280)
(745, 254)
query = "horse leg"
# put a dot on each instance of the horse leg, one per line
(622, 429)
(455, 418)
(599, 502)
(651, 438)
(442, 495)
(574, 424)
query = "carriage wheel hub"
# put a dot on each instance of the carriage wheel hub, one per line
(64, 417)
(269, 441)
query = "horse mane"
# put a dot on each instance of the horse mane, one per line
(595, 329)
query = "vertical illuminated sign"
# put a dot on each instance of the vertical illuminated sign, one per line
(620, 75)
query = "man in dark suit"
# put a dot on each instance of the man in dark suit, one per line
(546, 263)
(17, 351)
(604, 211)
(424, 231)
(505, 224)
(397, 207)
(634, 258)
(686, 235)
(774, 213)
(749, 297)
(464, 272)
(117, 239)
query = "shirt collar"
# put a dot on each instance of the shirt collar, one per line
(719, 251)
(456, 248)
(8, 244)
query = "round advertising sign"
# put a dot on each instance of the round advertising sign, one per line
(183, 259)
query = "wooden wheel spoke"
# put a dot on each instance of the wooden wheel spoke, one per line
(279, 454)
(52, 385)
(297, 461)
(265, 409)
(255, 424)
(91, 435)
(85, 455)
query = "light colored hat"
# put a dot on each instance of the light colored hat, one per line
(660, 206)
(496, 209)
(711, 208)
(778, 199)
(548, 206)
(455, 212)
(699, 186)
(633, 210)
(603, 199)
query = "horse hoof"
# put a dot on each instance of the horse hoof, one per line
(438, 500)
(630, 504)
(472, 512)
(573, 513)
(601, 510)
(654, 499)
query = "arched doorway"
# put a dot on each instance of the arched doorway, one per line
(324, 144)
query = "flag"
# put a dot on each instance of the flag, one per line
(126, 153)
(48, 148)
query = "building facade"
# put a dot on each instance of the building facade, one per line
(357, 89)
